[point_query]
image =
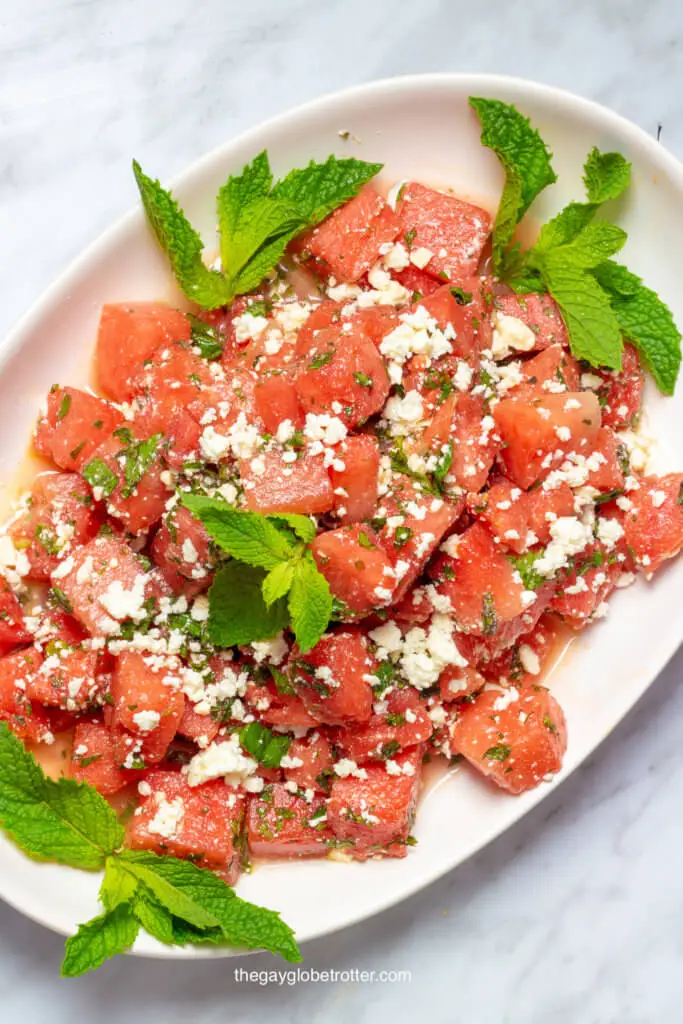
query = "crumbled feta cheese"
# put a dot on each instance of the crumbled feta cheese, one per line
(529, 660)
(147, 721)
(421, 256)
(225, 759)
(402, 414)
(510, 334)
(248, 326)
(168, 818)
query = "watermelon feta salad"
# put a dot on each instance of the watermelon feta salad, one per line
(330, 520)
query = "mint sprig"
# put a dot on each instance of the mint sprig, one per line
(273, 580)
(257, 218)
(600, 301)
(525, 159)
(63, 821)
(175, 901)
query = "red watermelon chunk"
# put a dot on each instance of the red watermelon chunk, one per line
(348, 242)
(332, 678)
(374, 813)
(201, 823)
(454, 231)
(516, 743)
(74, 425)
(128, 336)
(282, 824)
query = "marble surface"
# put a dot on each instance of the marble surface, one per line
(575, 915)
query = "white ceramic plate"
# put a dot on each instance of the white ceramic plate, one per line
(419, 128)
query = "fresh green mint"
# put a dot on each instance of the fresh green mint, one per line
(257, 218)
(601, 301)
(273, 580)
(175, 901)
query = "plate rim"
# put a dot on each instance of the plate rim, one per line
(58, 290)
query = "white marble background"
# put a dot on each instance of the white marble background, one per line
(576, 915)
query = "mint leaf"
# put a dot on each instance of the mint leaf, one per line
(525, 159)
(605, 175)
(254, 242)
(593, 328)
(303, 526)
(647, 322)
(524, 564)
(100, 939)
(247, 536)
(310, 603)
(614, 277)
(98, 474)
(594, 244)
(154, 918)
(238, 613)
(277, 582)
(139, 456)
(266, 747)
(239, 192)
(204, 901)
(319, 188)
(181, 243)
(565, 226)
(64, 821)
(209, 340)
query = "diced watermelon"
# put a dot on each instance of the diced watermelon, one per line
(331, 679)
(517, 743)
(194, 726)
(277, 402)
(281, 824)
(622, 393)
(355, 486)
(418, 282)
(538, 434)
(327, 314)
(540, 313)
(475, 443)
(653, 528)
(480, 583)
(93, 759)
(138, 500)
(205, 823)
(26, 720)
(182, 550)
(315, 753)
(517, 519)
(67, 679)
(60, 516)
(552, 371)
(102, 569)
(13, 629)
(375, 813)
(405, 723)
(271, 485)
(175, 378)
(128, 336)
(145, 705)
(375, 322)
(465, 304)
(425, 521)
(278, 709)
(348, 242)
(609, 475)
(456, 683)
(356, 567)
(344, 376)
(587, 585)
(453, 230)
(74, 425)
